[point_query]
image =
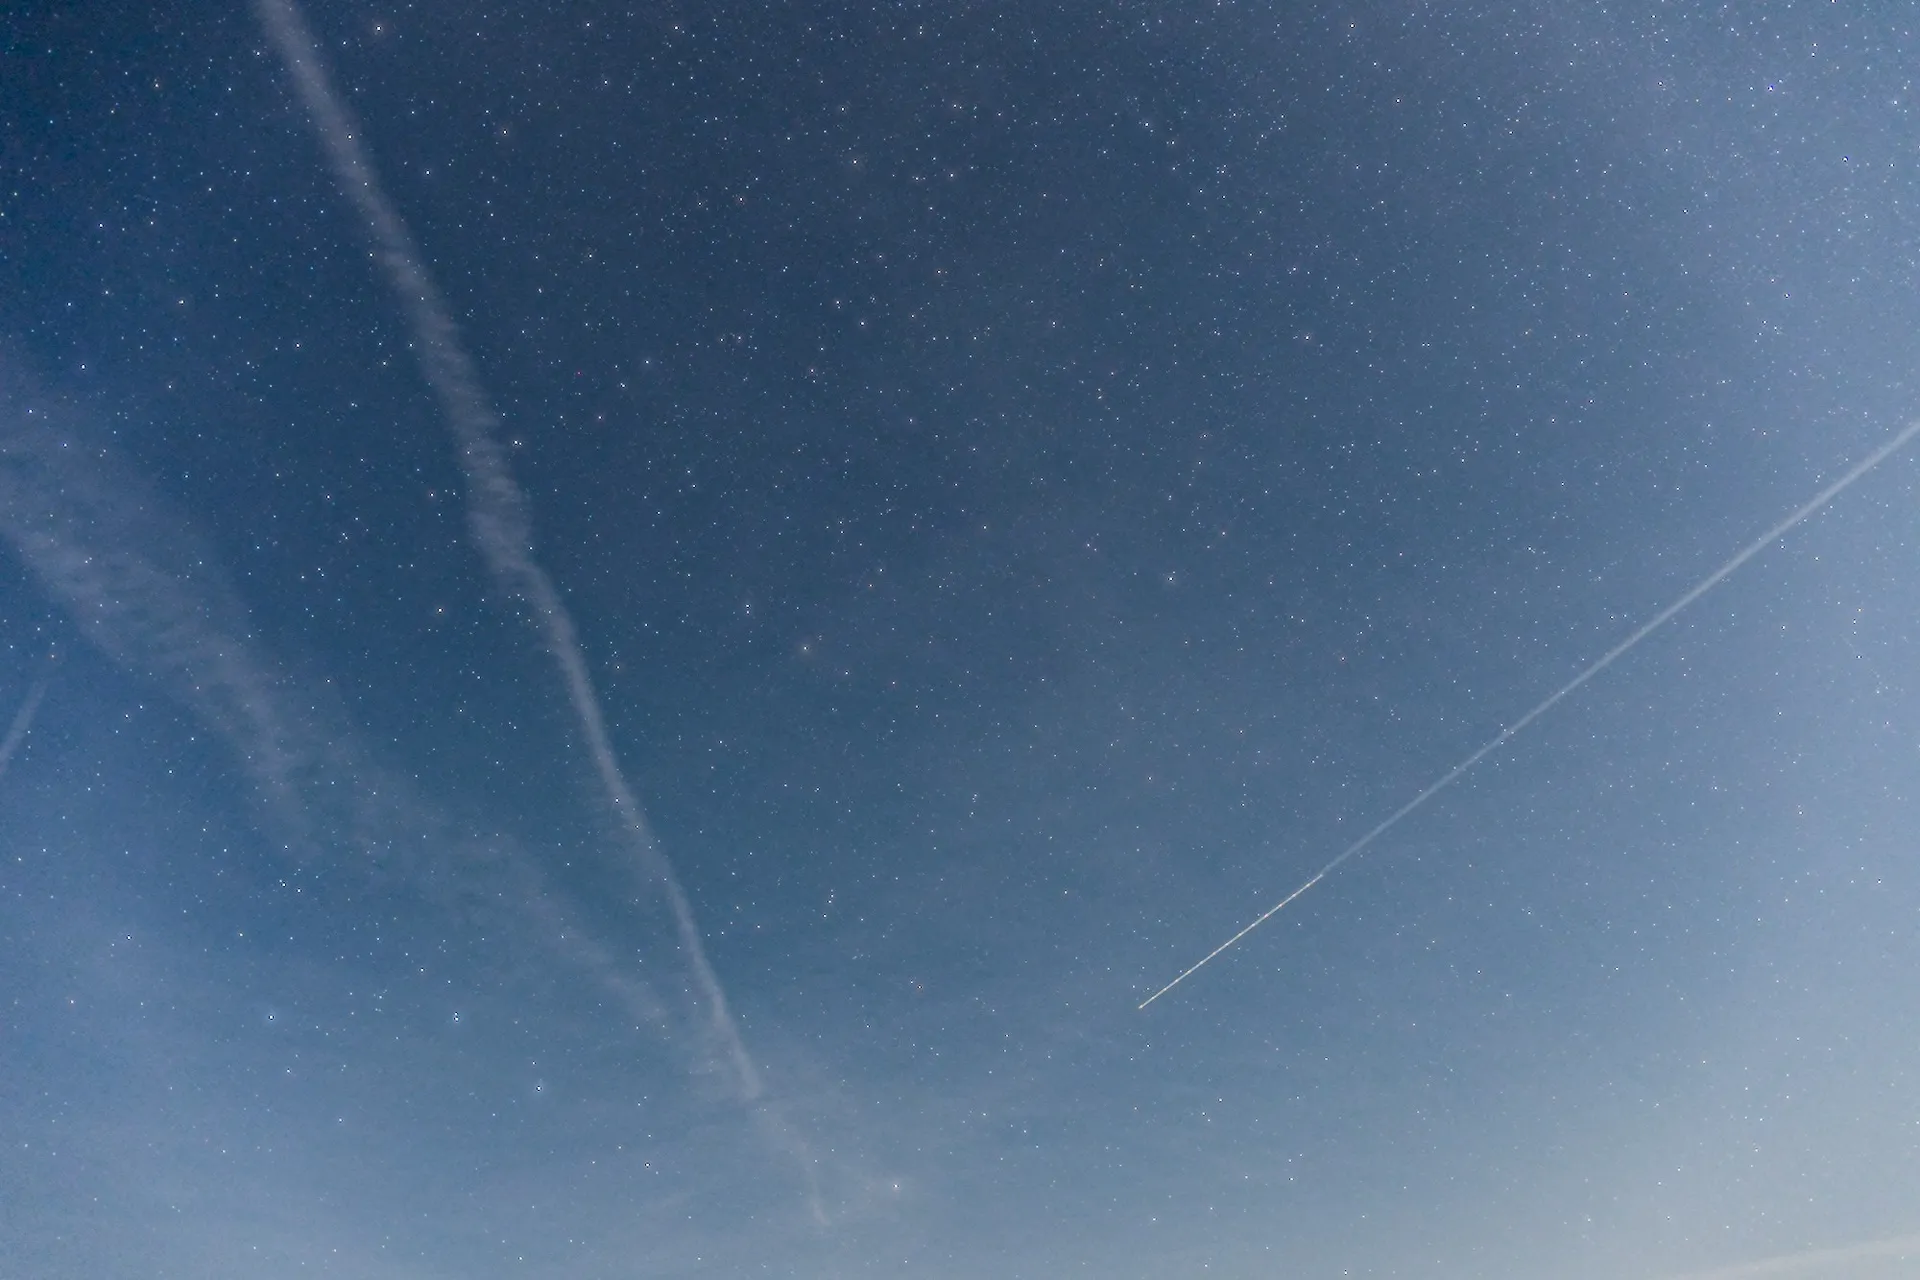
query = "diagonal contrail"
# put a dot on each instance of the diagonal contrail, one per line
(22, 721)
(498, 515)
(1659, 620)
(497, 509)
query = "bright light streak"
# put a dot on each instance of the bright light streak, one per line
(1612, 655)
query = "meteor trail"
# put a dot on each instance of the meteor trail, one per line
(1660, 619)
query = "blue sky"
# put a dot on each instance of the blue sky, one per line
(1028, 488)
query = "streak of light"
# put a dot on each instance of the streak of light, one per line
(1612, 655)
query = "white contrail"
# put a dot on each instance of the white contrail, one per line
(1453, 775)
(497, 509)
(22, 721)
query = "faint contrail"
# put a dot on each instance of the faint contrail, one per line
(22, 721)
(138, 581)
(497, 509)
(1813, 1261)
(1453, 775)
(148, 590)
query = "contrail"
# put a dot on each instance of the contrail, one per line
(500, 521)
(22, 721)
(147, 589)
(497, 510)
(139, 582)
(1660, 619)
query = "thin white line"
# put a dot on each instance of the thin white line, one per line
(1660, 619)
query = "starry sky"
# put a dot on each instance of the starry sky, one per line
(1031, 484)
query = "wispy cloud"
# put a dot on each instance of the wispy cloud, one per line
(1816, 1262)
(22, 721)
(146, 589)
(136, 580)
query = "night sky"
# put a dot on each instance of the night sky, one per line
(1031, 484)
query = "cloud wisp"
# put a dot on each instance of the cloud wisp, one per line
(1816, 1262)
(22, 721)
